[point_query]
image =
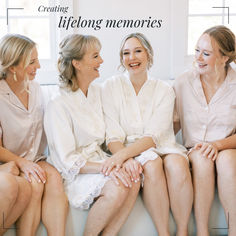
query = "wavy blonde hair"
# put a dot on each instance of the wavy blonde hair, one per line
(73, 46)
(14, 48)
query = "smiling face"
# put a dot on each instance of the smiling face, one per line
(135, 58)
(30, 70)
(207, 55)
(89, 65)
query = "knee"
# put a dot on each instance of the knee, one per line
(9, 187)
(134, 190)
(54, 178)
(200, 164)
(24, 190)
(177, 168)
(153, 169)
(226, 164)
(117, 194)
(54, 181)
(37, 189)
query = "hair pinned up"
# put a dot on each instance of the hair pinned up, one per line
(225, 39)
(144, 42)
(73, 46)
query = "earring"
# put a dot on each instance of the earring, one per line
(149, 63)
(14, 76)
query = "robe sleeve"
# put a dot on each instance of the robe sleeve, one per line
(61, 141)
(160, 125)
(114, 131)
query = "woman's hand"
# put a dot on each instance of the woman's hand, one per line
(30, 168)
(133, 168)
(115, 161)
(121, 175)
(208, 150)
(10, 167)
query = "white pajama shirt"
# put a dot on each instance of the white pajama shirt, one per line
(201, 121)
(21, 129)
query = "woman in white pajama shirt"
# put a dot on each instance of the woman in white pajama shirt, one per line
(139, 132)
(206, 113)
(22, 137)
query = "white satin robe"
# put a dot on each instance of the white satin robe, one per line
(75, 131)
(129, 117)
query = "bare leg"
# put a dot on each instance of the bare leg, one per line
(203, 185)
(119, 219)
(226, 170)
(155, 195)
(8, 196)
(54, 203)
(180, 190)
(28, 223)
(107, 205)
(22, 200)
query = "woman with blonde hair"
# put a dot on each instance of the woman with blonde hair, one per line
(206, 113)
(138, 114)
(76, 131)
(22, 136)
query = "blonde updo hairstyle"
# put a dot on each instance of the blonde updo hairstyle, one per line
(14, 48)
(73, 47)
(144, 42)
(225, 40)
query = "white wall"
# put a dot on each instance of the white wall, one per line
(169, 42)
(160, 38)
(111, 38)
(180, 61)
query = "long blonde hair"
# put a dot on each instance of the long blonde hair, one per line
(14, 48)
